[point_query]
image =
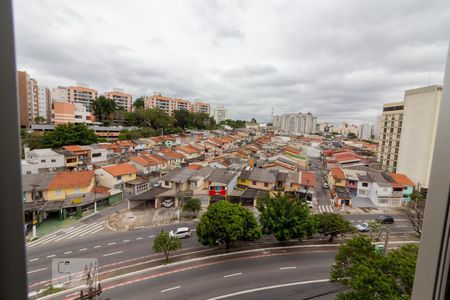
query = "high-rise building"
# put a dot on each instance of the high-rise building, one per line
(60, 94)
(421, 107)
(122, 99)
(28, 93)
(201, 107)
(44, 103)
(295, 123)
(81, 93)
(390, 132)
(220, 114)
(376, 127)
(181, 104)
(365, 131)
(68, 112)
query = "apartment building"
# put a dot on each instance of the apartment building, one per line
(220, 114)
(122, 99)
(181, 104)
(297, 123)
(391, 123)
(365, 132)
(421, 108)
(67, 112)
(201, 107)
(81, 93)
(28, 95)
(44, 103)
(60, 94)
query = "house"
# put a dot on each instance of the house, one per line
(140, 145)
(336, 177)
(126, 146)
(42, 160)
(65, 184)
(173, 158)
(98, 154)
(258, 178)
(188, 151)
(381, 191)
(83, 154)
(407, 184)
(304, 183)
(219, 182)
(115, 176)
(143, 165)
(161, 162)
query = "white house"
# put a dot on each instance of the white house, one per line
(41, 160)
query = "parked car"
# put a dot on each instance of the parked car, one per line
(181, 232)
(167, 203)
(309, 203)
(363, 227)
(385, 219)
(325, 185)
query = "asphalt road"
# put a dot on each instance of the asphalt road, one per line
(239, 277)
(323, 195)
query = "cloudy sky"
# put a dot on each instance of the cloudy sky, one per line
(338, 59)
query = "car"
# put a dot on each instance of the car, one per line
(325, 185)
(181, 232)
(363, 227)
(167, 203)
(383, 219)
(309, 203)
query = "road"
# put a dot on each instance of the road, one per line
(237, 277)
(323, 195)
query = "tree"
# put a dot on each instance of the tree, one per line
(286, 218)
(193, 205)
(139, 103)
(376, 230)
(370, 275)
(103, 109)
(332, 224)
(164, 243)
(227, 223)
(351, 135)
(39, 120)
(253, 121)
(416, 215)
(183, 118)
(69, 134)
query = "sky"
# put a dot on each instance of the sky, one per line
(340, 60)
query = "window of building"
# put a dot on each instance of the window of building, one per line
(53, 160)
(266, 184)
(365, 184)
(42, 160)
(254, 182)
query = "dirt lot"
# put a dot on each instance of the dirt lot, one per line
(129, 220)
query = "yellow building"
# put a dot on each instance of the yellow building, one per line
(115, 176)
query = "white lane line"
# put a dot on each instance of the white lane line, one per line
(38, 270)
(113, 243)
(34, 259)
(125, 241)
(287, 268)
(68, 252)
(100, 229)
(171, 289)
(138, 227)
(82, 249)
(98, 246)
(114, 253)
(151, 236)
(231, 275)
(75, 232)
(50, 256)
(49, 237)
(139, 238)
(401, 226)
(268, 288)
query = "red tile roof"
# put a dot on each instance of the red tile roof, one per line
(126, 143)
(120, 169)
(171, 154)
(67, 180)
(73, 148)
(140, 160)
(187, 149)
(194, 167)
(154, 158)
(337, 173)
(401, 179)
(308, 179)
(292, 149)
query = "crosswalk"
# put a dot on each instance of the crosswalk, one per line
(69, 233)
(325, 208)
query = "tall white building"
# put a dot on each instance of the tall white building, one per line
(365, 131)
(220, 113)
(44, 103)
(295, 123)
(60, 94)
(420, 113)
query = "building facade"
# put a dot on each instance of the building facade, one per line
(82, 94)
(67, 112)
(220, 114)
(201, 107)
(28, 95)
(44, 103)
(170, 105)
(418, 133)
(122, 99)
(391, 123)
(295, 123)
(365, 132)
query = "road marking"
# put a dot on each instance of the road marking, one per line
(138, 227)
(268, 288)
(401, 226)
(73, 233)
(38, 270)
(93, 229)
(34, 259)
(83, 249)
(288, 268)
(171, 289)
(68, 252)
(151, 236)
(125, 241)
(52, 255)
(100, 229)
(98, 246)
(231, 275)
(139, 238)
(113, 243)
(114, 253)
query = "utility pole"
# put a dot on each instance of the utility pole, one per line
(386, 240)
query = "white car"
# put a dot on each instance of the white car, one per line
(363, 227)
(309, 203)
(325, 185)
(181, 232)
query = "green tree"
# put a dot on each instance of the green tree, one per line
(286, 218)
(227, 223)
(370, 275)
(164, 243)
(193, 205)
(253, 121)
(332, 225)
(39, 120)
(139, 102)
(351, 135)
(183, 118)
(69, 134)
(103, 109)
